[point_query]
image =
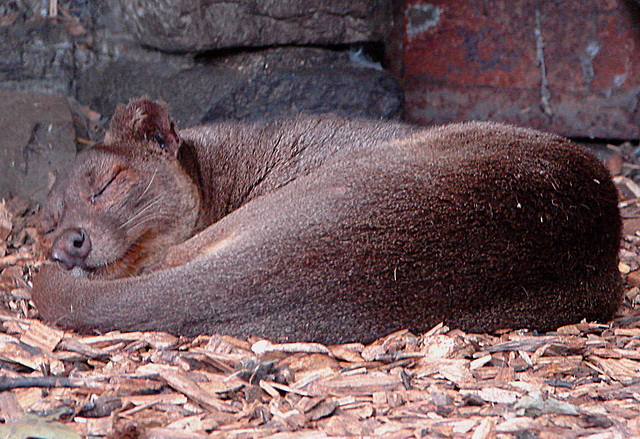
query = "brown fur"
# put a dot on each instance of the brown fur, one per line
(332, 230)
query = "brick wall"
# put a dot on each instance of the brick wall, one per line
(571, 67)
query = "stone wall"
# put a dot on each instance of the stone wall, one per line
(208, 60)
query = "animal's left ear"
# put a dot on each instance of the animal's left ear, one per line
(143, 122)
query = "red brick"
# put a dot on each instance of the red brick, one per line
(478, 60)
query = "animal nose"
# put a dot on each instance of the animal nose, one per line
(71, 248)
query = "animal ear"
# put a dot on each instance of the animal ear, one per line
(145, 122)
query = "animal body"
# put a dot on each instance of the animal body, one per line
(329, 230)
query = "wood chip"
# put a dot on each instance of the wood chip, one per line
(5, 221)
(27, 397)
(268, 388)
(34, 359)
(182, 383)
(494, 395)
(151, 400)
(479, 362)
(41, 336)
(360, 385)
(83, 349)
(484, 430)
(155, 339)
(15, 258)
(350, 353)
(264, 346)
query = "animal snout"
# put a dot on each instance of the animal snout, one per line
(71, 248)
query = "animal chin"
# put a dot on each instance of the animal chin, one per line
(133, 262)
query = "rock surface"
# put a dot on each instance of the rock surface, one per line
(89, 53)
(189, 26)
(36, 55)
(249, 85)
(38, 139)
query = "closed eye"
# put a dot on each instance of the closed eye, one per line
(104, 187)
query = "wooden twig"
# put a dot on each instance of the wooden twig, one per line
(9, 383)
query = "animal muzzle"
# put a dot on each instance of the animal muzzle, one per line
(71, 248)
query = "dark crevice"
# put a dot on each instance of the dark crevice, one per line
(372, 51)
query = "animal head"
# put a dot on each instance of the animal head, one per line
(125, 199)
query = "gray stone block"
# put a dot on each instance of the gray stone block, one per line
(267, 83)
(36, 55)
(193, 26)
(38, 139)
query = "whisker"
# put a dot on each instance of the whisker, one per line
(141, 212)
(152, 216)
(149, 218)
(150, 182)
